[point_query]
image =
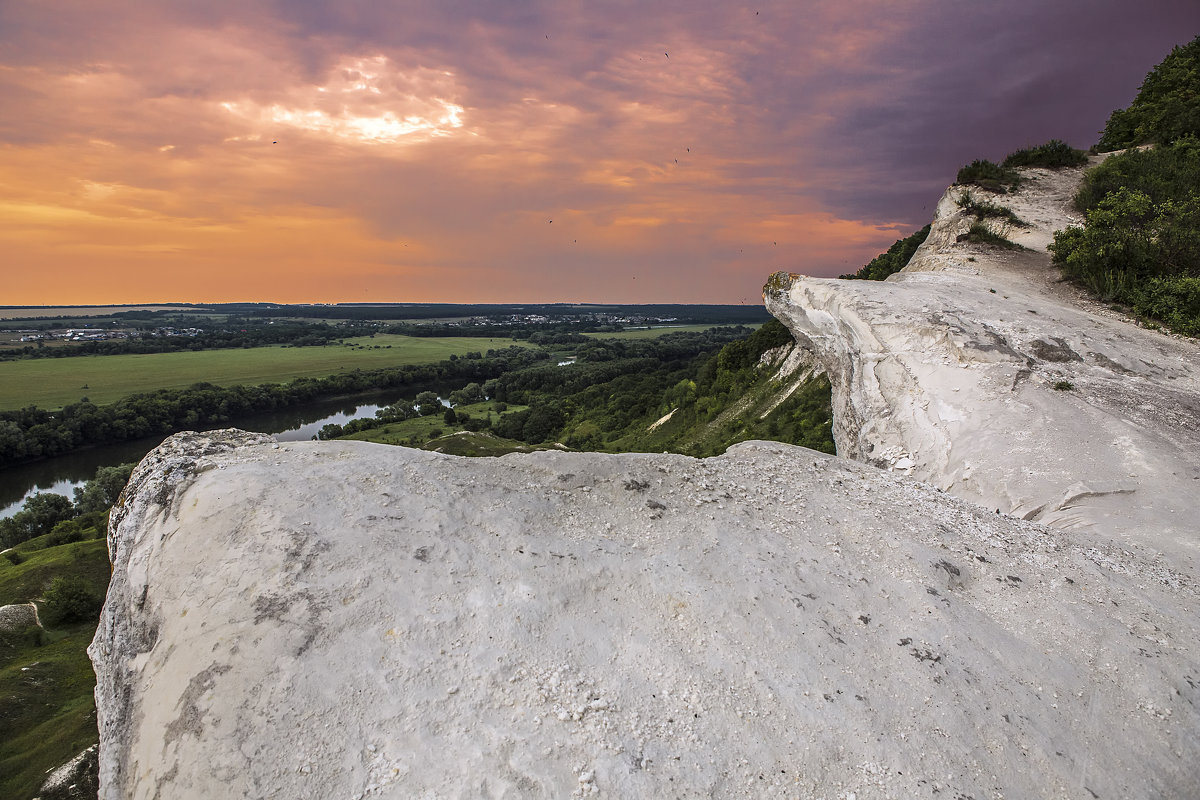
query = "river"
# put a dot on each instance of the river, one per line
(64, 473)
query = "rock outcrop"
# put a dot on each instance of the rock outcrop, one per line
(975, 370)
(340, 619)
(1008, 608)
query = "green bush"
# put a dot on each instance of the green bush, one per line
(1141, 253)
(70, 599)
(1174, 300)
(1054, 154)
(1161, 172)
(69, 530)
(895, 259)
(1166, 107)
(989, 176)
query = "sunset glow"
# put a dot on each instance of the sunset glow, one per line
(522, 152)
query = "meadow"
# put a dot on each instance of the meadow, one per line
(51, 383)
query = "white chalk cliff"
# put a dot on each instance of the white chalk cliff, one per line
(948, 371)
(345, 620)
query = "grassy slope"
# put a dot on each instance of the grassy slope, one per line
(770, 409)
(53, 382)
(421, 428)
(47, 712)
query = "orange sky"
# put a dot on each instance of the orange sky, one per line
(618, 152)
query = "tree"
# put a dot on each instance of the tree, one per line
(45, 510)
(102, 491)
(1165, 108)
(70, 599)
(427, 403)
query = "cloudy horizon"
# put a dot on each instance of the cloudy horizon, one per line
(518, 152)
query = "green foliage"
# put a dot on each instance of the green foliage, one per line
(1063, 386)
(989, 176)
(1161, 172)
(1167, 106)
(986, 209)
(1054, 154)
(427, 403)
(1141, 242)
(31, 432)
(1128, 233)
(1175, 301)
(39, 515)
(471, 393)
(895, 259)
(70, 599)
(608, 399)
(47, 714)
(102, 491)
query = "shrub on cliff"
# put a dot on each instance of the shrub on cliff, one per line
(988, 175)
(1054, 154)
(895, 259)
(1161, 172)
(1139, 252)
(1166, 108)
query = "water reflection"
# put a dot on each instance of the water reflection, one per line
(64, 474)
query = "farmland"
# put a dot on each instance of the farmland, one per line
(53, 383)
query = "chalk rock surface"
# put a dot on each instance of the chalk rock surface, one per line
(347, 620)
(977, 371)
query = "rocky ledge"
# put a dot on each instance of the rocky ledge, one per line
(343, 620)
(977, 371)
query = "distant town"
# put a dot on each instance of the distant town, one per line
(101, 334)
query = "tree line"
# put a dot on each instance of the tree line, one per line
(32, 433)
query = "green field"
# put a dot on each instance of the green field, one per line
(51, 383)
(652, 333)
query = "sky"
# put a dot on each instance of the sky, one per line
(512, 151)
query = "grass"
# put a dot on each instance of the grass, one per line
(51, 383)
(654, 332)
(47, 711)
(418, 430)
(985, 209)
(980, 233)
(480, 444)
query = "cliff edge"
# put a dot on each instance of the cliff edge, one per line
(975, 370)
(992, 593)
(342, 619)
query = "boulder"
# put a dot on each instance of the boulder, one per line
(342, 619)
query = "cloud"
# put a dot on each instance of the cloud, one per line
(420, 150)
